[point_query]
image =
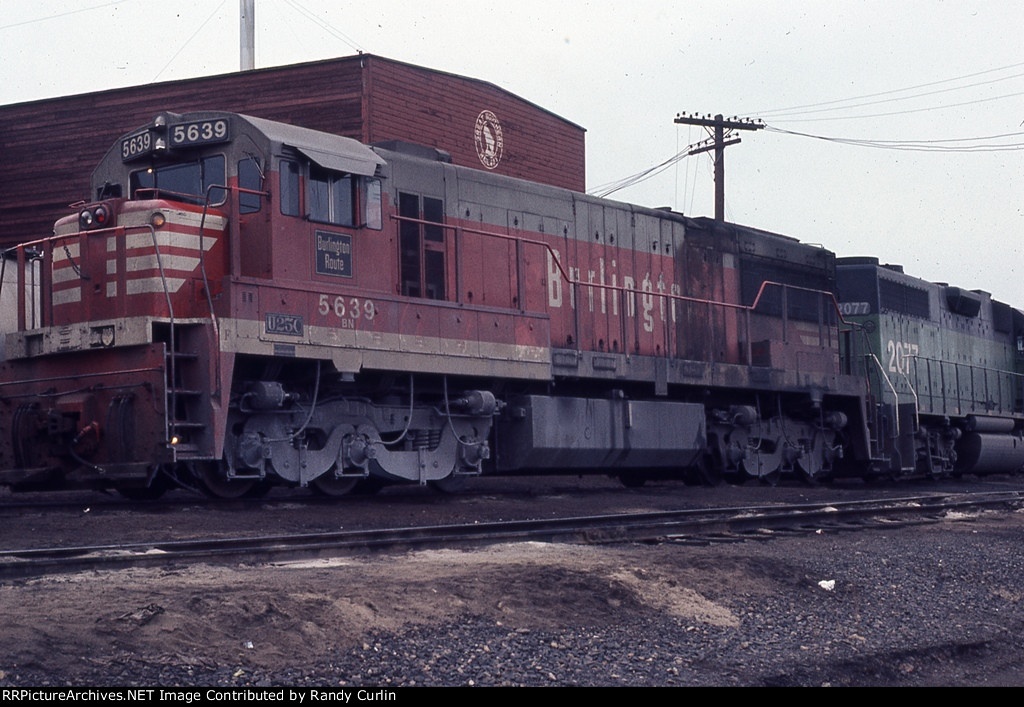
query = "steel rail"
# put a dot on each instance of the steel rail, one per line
(700, 525)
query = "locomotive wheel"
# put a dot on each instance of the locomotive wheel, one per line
(330, 485)
(214, 481)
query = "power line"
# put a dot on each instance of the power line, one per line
(780, 115)
(884, 93)
(908, 111)
(604, 190)
(953, 139)
(187, 41)
(63, 14)
(326, 26)
(921, 145)
(947, 145)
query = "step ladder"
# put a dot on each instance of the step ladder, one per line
(188, 403)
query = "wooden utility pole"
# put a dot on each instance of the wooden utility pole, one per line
(721, 139)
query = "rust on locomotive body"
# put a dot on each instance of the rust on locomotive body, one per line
(245, 302)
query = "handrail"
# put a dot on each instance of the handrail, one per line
(20, 283)
(620, 288)
(970, 367)
(895, 395)
(964, 405)
(186, 197)
(48, 242)
(917, 401)
(202, 266)
(170, 406)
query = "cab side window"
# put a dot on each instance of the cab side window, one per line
(289, 188)
(331, 197)
(251, 178)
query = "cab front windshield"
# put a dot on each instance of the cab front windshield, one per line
(182, 181)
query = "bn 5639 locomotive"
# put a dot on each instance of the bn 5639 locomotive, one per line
(243, 301)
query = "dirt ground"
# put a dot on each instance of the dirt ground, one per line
(261, 617)
(936, 605)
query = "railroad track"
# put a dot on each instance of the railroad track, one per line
(702, 526)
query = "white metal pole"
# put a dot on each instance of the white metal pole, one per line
(247, 34)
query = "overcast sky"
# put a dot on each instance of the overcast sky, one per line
(895, 75)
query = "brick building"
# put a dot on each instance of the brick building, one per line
(48, 148)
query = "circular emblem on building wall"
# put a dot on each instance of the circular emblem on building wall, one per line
(489, 142)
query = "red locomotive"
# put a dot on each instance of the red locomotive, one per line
(244, 302)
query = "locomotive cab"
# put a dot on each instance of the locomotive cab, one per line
(108, 305)
(173, 319)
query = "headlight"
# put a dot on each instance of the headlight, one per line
(101, 337)
(102, 216)
(95, 217)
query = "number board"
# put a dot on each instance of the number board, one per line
(199, 132)
(137, 145)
